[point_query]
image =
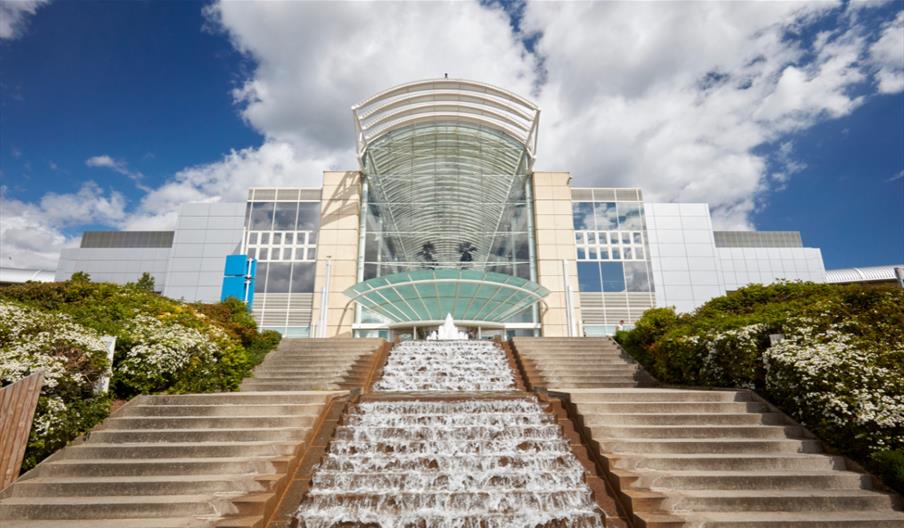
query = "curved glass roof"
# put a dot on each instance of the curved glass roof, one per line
(427, 296)
(461, 101)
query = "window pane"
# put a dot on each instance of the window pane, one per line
(613, 277)
(637, 238)
(582, 214)
(605, 215)
(287, 254)
(265, 238)
(260, 277)
(299, 253)
(285, 216)
(627, 254)
(262, 216)
(626, 238)
(579, 238)
(277, 239)
(638, 252)
(278, 278)
(252, 238)
(308, 216)
(589, 276)
(581, 253)
(636, 277)
(604, 253)
(615, 253)
(302, 277)
(630, 216)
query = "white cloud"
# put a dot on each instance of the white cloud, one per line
(32, 234)
(887, 54)
(674, 98)
(119, 166)
(14, 15)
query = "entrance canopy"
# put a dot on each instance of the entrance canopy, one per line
(427, 296)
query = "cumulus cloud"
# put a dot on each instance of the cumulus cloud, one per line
(32, 234)
(14, 15)
(887, 54)
(119, 166)
(677, 99)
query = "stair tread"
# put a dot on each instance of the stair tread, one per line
(114, 499)
(143, 478)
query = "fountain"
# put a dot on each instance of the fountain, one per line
(463, 460)
(446, 366)
(448, 331)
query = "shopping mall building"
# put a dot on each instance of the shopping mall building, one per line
(446, 214)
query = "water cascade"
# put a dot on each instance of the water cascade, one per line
(446, 366)
(448, 461)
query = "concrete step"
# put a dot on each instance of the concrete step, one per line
(207, 422)
(683, 481)
(241, 398)
(656, 395)
(285, 409)
(570, 386)
(786, 500)
(677, 407)
(701, 446)
(273, 434)
(138, 485)
(833, 519)
(156, 522)
(728, 462)
(264, 385)
(96, 467)
(127, 450)
(109, 507)
(673, 419)
(704, 432)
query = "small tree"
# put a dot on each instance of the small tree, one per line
(146, 282)
(80, 276)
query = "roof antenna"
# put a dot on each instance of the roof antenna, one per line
(446, 75)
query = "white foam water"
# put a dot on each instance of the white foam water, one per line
(446, 366)
(449, 464)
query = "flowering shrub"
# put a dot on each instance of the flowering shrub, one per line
(161, 345)
(839, 370)
(73, 359)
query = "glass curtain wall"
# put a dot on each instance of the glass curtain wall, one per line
(447, 196)
(282, 236)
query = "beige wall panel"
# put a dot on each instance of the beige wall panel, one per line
(554, 235)
(338, 241)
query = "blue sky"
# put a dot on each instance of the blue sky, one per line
(120, 110)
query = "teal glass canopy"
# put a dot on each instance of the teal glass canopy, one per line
(428, 295)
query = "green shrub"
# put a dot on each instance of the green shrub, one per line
(888, 465)
(162, 345)
(73, 359)
(839, 370)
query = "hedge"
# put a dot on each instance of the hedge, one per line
(162, 345)
(839, 369)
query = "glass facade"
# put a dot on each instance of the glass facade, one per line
(282, 236)
(611, 246)
(446, 196)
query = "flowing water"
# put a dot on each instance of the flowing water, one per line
(461, 462)
(446, 366)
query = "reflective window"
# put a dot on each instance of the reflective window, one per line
(637, 277)
(589, 277)
(284, 219)
(613, 276)
(262, 216)
(606, 216)
(630, 216)
(303, 277)
(260, 278)
(308, 217)
(278, 277)
(582, 214)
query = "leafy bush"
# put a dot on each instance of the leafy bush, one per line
(839, 369)
(161, 345)
(73, 359)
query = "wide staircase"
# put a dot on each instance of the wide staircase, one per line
(315, 364)
(170, 461)
(700, 458)
(578, 362)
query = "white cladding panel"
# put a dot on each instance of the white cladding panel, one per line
(205, 234)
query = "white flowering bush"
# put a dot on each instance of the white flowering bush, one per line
(72, 357)
(839, 370)
(832, 384)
